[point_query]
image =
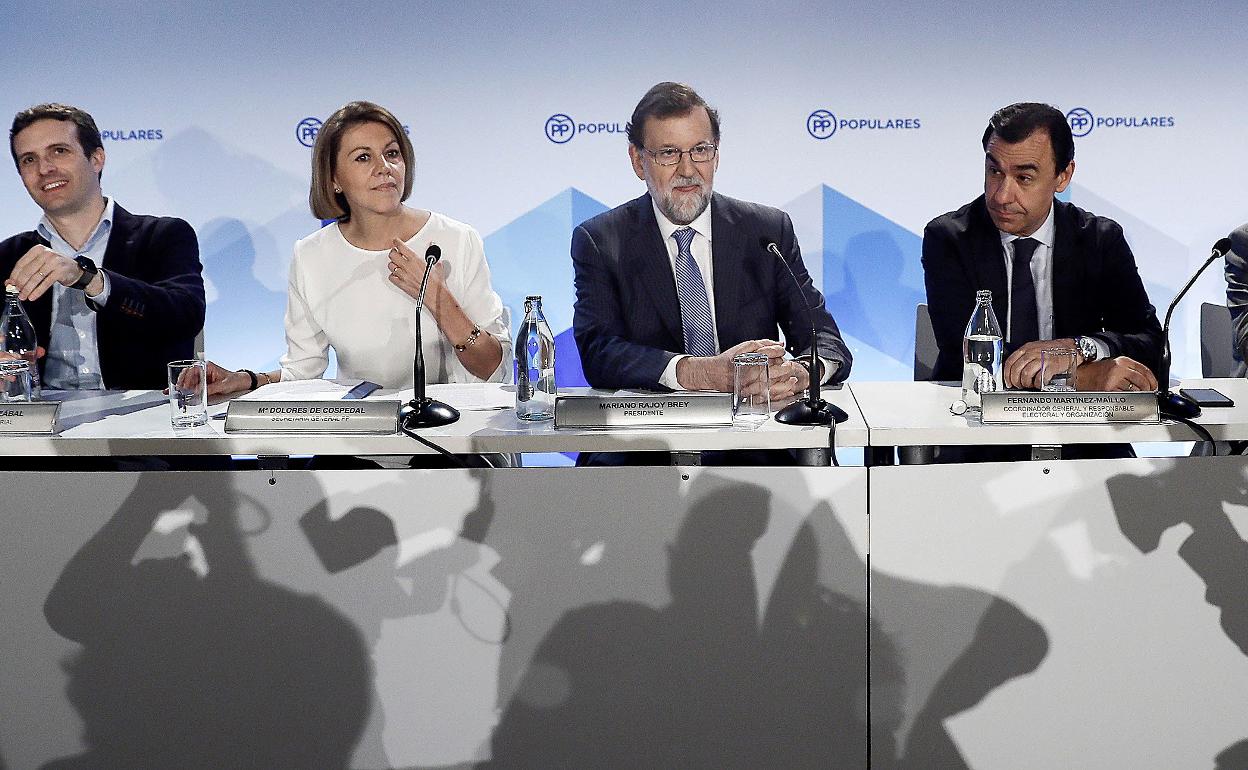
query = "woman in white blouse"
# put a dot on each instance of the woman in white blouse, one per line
(353, 284)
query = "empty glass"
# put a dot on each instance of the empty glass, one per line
(1057, 369)
(188, 393)
(751, 394)
(20, 388)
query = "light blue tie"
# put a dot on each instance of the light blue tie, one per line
(695, 308)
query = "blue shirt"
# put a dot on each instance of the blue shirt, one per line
(73, 359)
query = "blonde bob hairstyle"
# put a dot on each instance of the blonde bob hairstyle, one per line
(327, 204)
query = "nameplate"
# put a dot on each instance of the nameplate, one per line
(683, 409)
(36, 418)
(351, 417)
(1058, 408)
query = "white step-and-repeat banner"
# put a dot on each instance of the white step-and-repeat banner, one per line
(863, 121)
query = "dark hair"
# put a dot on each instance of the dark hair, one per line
(88, 133)
(666, 100)
(327, 204)
(1018, 121)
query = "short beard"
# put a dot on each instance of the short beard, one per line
(688, 211)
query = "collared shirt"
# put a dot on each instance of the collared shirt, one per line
(700, 248)
(1041, 276)
(73, 358)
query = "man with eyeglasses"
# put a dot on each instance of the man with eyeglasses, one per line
(670, 286)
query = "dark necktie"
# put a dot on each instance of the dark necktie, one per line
(1024, 317)
(695, 309)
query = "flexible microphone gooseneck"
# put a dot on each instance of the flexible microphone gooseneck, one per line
(1171, 403)
(422, 411)
(811, 410)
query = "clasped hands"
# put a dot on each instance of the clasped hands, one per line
(1022, 370)
(785, 378)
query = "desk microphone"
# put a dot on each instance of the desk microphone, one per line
(1172, 404)
(811, 410)
(422, 411)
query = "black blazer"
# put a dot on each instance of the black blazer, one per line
(1096, 287)
(627, 317)
(156, 301)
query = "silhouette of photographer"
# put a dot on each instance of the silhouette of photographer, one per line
(194, 660)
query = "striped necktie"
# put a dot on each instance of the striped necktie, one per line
(695, 308)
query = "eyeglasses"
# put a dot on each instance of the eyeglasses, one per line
(670, 156)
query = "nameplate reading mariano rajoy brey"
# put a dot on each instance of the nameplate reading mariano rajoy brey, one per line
(585, 408)
(1058, 408)
(354, 417)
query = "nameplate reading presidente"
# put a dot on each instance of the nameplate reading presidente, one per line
(352, 417)
(37, 418)
(589, 409)
(1059, 408)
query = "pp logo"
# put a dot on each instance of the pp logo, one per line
(1081, 121)
(560, 128)
(821, 124)
(307, 130)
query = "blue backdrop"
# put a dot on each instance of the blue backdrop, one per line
(861, 120)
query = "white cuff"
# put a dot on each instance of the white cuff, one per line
(668, 378)
(101, 299)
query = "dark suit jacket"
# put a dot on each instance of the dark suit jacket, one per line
(1096, 287)
(156, 303)
(1237, 293)
(627, 317)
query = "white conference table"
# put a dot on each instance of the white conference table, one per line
(1055, 613)
(137, 423)
(917, 414)
(535, 617)
(1035, 614)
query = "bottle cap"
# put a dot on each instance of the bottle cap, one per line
(533, 298)
(10, 288)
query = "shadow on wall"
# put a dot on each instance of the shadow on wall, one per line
(873, 302)
(700, 681)
(1006, 644)
(434, 619)
(192, 660)
(1147, 506)
(246, 318)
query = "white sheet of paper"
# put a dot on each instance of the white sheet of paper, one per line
(467, 396)
(301, 390)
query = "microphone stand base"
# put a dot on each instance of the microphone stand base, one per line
(428, 413)
(808, 412)
(1174, 405)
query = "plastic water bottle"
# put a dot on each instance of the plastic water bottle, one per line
(535, 364)
(981, 353)
(17, 335)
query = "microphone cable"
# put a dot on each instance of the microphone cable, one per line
(440, 450)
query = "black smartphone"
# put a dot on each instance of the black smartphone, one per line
(1205, 397)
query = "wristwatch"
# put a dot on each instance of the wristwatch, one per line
(1088, 349)
(89, 272)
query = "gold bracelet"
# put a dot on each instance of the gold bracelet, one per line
(472, 338)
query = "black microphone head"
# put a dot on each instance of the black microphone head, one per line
(1224, 244)
(433, 253)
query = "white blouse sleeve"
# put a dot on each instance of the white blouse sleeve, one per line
(483, 307)
(307, 345)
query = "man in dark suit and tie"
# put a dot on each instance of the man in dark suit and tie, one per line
(113, 296)
(1059, 276)
(671, 285)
